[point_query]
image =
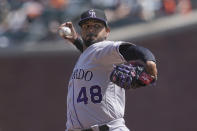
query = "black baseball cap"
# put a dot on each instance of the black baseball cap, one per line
(94, 14)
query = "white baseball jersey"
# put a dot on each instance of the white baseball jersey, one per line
(92, 99)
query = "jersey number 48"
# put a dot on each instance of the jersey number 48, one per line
(95, 93)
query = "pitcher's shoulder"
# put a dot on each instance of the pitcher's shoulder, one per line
(108, 43)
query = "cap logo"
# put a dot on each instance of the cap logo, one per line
(92, 13)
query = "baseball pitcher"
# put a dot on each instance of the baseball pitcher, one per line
(102, 74)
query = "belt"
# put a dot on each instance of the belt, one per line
(101, 128)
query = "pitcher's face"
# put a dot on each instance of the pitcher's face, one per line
(93, 31)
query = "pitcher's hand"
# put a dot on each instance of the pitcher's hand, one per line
(73, 35)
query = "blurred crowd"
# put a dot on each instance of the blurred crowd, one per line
(23, 21)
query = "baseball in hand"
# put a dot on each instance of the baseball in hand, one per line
(64, 31)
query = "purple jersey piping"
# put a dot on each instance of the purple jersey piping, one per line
(71, 119)
(74, 107)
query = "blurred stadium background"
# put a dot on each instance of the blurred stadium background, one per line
(35, 62)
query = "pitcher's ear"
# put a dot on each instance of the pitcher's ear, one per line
(107, 29)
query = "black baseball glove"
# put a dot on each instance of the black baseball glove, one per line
(129, 76)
